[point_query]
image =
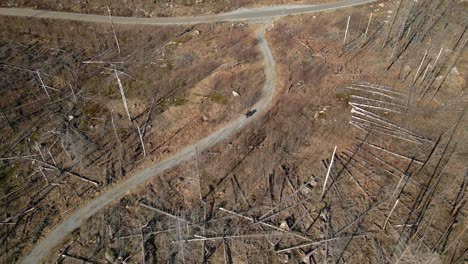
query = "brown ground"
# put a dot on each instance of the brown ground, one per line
(147, 8)
(272, 174)
(178, 82)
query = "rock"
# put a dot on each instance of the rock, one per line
(70, 117)
(307, 190)
(304, 257)
(204, 118)
(284, 257)
(284, 225)
(323, 216)
(236, 94)
(313, 183)
(381, 5)
(110, 256)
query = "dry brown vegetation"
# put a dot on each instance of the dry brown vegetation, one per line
(261, 201)
(66, 135)
(397, 185)
(150, 8)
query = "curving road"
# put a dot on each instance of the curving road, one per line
(61, 231)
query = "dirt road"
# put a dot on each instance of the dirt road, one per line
(246, 15)
(258, 15)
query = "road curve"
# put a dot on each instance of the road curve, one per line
(56, 236)
(61, 231)
(246, 15)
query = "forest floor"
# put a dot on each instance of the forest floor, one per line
(67, 135)
(390, 99)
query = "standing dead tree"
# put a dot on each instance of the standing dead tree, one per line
(42, 84)
(346, 32)
(328, 172)
(113, 29)
(368, 24)
(122, 93)
(124, 101)
(419, 68)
